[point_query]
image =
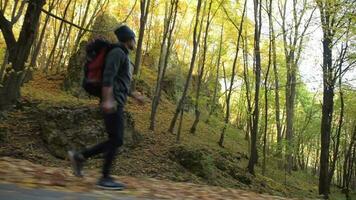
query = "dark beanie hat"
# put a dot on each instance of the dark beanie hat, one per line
(124, 33)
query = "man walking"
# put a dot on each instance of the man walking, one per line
(117, 77)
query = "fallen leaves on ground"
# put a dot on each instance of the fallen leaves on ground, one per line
(28, 174)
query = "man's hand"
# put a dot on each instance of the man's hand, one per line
(108, 106)
(138, 97)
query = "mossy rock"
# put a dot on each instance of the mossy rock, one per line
(3, 133)
(65, 128)
(105, 21)
(197, 161)
(73, 80)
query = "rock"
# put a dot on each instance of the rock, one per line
(63, 129)
(73, 81)
(198, 161)
(144, 87)
(168, 86)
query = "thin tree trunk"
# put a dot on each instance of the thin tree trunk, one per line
(338, 133)
(192, 62)
(40, 40)
(82, 23)
(266, 87)
(164, 56)
(3, 5)
(180, 125)
(66, 45)
(56, 40)
(317, 158)
(227, 113)
(153, 5)
(292, 42)
(350, 157)
(276, 87)
(213, 103)
(248, 90)
(201, 71)
(257, 62)
(145, 6)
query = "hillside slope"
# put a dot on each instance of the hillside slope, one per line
(197, 158)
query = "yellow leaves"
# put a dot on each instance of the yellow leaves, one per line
(43, 89)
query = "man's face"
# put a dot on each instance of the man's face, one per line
(131, 44)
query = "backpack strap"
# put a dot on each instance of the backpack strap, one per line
(116, 45)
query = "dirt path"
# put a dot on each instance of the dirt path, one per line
(19, 178)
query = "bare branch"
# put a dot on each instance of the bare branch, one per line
(16, 17)
(6, 29)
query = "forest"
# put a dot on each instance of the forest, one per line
(253, 97)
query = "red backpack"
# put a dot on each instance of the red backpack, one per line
(96, 52)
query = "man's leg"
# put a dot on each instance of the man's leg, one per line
(78, 158)
(95, 150)
(114, 124)
(115, 127)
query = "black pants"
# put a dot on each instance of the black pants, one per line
(114, 124)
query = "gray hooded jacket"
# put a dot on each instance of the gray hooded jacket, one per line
(118, 73)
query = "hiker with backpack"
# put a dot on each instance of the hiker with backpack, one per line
(108, 75)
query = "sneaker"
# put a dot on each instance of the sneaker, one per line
(77, 160)
(108, 183)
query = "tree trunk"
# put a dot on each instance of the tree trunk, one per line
(326, 119)
(290, 101)
(292, 42)
(276, 90)
(257, 57)
(269, 12)
(18, 51)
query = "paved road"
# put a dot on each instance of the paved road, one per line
(13, 192)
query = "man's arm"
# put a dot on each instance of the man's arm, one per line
(113, 61)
